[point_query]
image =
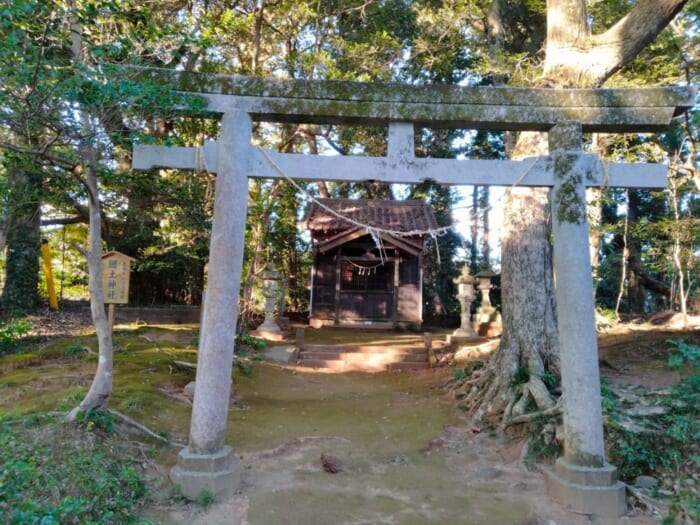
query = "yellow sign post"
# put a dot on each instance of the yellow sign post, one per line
(116, 270)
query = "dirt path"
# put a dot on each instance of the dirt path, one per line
(406, 458)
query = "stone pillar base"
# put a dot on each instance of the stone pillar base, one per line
(587, 490)
(217, 474)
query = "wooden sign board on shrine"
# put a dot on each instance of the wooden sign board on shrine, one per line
(116, 272)
(582, 479)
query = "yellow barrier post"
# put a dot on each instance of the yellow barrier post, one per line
(46, 256)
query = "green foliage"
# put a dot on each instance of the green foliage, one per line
(668, 447)
(608, 398)
(520, 377)
(96, 421)
(63, 475)
(245, 340)
(549, 379)
(10, 334)
(541, 439)
(205, 499)
(684, 354)
(244, 368)
(74, 350)
(466, 371)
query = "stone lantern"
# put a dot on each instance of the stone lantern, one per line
(488, 319)
(269, 328)
(485, 284)
(466, 295)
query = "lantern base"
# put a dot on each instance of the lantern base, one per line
(268, 330)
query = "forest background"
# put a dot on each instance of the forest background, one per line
(53, 107)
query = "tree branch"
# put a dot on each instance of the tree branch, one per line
(40, 154)
(633, 32)
(576, 61)
(63, 221)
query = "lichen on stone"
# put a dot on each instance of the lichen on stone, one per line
(569, 204)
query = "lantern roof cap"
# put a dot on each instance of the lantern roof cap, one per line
(465, 277)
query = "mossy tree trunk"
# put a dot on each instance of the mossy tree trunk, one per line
(20, 293)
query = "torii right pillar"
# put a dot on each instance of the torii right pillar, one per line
(581, 479)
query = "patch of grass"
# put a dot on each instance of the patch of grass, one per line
(73, 398)
(55, 472)
(75, 351)
(19, 360)
(132, 404)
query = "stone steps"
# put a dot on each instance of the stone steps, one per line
(363, 358)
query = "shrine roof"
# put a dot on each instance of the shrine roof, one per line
(398, 216)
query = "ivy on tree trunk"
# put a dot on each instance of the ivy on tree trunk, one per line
(20, 293)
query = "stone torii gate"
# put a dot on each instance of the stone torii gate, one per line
(582, 479)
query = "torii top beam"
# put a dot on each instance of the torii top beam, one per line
(489, 108)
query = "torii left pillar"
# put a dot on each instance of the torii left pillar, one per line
(207, 464)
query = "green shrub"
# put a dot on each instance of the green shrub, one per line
(57, 473)
(11, 333)
(670, 448)
(683, 354)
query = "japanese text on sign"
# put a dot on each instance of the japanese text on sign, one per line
(115, 280)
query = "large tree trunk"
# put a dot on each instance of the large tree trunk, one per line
(20, 293)
(574, 58)
(530, 341)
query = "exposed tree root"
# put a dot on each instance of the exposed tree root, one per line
(489, 394)
(143, 428)
(527, 418)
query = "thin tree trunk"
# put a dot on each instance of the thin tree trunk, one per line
(673, 197)
(485, 229)
(101, 387)
(623, 268)
(474, 227)
(257, 37)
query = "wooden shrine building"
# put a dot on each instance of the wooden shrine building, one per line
(367, 278)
